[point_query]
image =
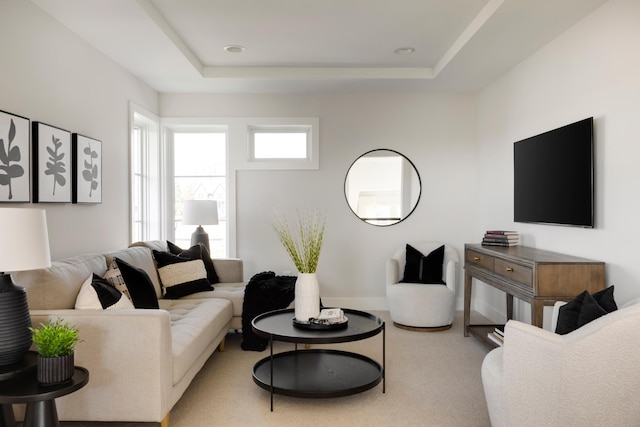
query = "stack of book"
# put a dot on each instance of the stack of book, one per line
(497, 335)
(500, 238)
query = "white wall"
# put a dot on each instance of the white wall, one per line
(48, 74)
(591, 70)
(435, 131)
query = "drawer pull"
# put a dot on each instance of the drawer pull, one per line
(508, 269)
(476, 258)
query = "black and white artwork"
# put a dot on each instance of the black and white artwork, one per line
(87, 169)
(51, 164)
(15, 169)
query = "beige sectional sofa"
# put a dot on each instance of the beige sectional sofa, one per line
(140, 360)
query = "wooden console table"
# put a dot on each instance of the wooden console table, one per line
(533, 275)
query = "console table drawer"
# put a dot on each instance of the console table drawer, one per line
(514, 272)
(478, 259)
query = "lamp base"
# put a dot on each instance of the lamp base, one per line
(15, 336)
(200, 236)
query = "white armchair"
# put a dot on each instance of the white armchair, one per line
(419, 306)
(589, 377)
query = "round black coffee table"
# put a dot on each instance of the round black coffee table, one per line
(317, 373)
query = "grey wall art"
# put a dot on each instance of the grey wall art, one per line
(51, 164)
(87, 169)
(15, 172)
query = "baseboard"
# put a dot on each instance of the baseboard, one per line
(364, 304)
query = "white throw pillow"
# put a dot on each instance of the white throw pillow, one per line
(97, 294)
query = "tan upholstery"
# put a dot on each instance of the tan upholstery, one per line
(140, 361)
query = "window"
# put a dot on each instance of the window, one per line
(279, 143)
(199, 173)
(145, 215)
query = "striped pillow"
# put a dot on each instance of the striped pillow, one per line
(181, 276)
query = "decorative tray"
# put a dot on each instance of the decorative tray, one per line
(322, 324)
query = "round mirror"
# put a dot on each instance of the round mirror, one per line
(382, 187)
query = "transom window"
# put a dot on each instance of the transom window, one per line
(279, 143)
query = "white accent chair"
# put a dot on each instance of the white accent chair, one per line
(419, 306)
(589, 377)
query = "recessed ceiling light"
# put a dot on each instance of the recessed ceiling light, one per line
(404, 50)
(234, 48)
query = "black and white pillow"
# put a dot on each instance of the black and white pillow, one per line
(139, 285)
(197, 251)
(181, 276)
(115, 279)
(97, 294)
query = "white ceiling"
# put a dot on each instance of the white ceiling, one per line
(318, 46)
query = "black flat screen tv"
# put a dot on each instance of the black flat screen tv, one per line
(554, 176)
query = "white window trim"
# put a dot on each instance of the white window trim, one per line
(151, 156)
(171, 125)
(248, 126)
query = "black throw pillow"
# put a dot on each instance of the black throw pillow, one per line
(423, 269)
(583, 309)
(197, 251)
(181, 275)
(141, 290)
(590, 310)
(412, 265)
(431, 267)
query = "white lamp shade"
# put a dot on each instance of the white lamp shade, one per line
(200, 212)
(25, 239)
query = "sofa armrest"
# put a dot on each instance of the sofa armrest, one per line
(128, 354)
(229, 270)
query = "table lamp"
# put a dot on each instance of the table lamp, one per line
(200, 212)
(25, 246)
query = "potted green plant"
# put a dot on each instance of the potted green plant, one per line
(303, 243)
(55, 343)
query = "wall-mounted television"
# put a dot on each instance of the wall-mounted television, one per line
(554, 176)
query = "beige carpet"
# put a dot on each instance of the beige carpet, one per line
(433, 379)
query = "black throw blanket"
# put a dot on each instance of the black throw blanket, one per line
(264, 292)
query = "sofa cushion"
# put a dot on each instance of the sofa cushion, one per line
(57, 287)
(139, 285)
(194, 323)
(233, 292)
(97, 294)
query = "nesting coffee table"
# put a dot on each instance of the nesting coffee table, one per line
(317, 373)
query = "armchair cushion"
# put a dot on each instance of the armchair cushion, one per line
(419, 268)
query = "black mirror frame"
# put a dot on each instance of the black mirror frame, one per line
(415, 205)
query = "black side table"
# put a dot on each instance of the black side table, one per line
(21, 386)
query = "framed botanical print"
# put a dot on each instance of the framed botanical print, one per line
(15, 166)
(87, 169)
(51, 164)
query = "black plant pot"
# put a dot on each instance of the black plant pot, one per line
(55, 370)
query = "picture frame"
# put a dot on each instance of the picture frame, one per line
(15, 158)
(87, 169)
(51, 164)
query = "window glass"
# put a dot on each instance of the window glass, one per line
(199, 163)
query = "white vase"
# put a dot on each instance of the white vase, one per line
(307, 297)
